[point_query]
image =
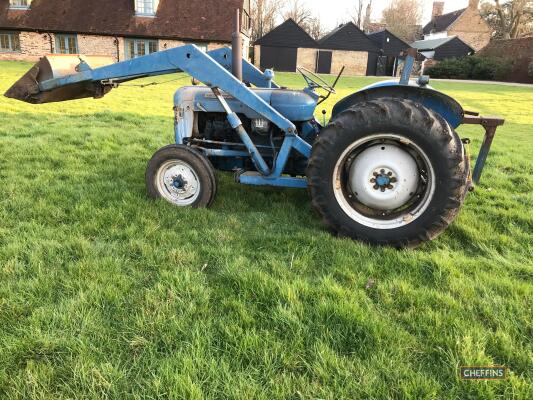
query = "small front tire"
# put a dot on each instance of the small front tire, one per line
(182, 176)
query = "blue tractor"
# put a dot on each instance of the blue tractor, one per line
(388, 168)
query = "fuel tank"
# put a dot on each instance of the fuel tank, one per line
(295, 105)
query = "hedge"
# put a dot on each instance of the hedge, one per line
(473, 67)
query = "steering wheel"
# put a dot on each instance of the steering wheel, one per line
(315, 82)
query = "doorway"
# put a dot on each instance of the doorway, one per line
(323, 62)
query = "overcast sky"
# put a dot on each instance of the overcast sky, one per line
(334, 12)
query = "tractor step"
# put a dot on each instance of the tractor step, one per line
(256, 179)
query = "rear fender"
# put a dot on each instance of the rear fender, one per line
(430, 98)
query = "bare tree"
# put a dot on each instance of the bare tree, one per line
(298, 12)
(510, 19)
(357, 15)
(361, 13)
(403, 17)
(315, 28)
(368, 14)
(264, 16)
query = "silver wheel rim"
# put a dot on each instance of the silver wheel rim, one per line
(384, 181)
(178, 183)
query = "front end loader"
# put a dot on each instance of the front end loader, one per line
(388, 168)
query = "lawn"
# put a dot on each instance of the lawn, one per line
(107, 294)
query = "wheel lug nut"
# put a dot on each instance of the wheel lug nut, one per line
(393, 180)
(375, 174)
(373, 180)
(390, 187)
(389, 174)
(382, 171)
(376, 187)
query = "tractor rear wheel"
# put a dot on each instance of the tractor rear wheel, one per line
(182, 176)
(388, 172)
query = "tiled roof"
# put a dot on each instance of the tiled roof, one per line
(209, 20)
(442, 22)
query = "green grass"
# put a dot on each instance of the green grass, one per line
(107, 294)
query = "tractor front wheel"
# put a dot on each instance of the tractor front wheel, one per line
(388, 172)
(182, 176)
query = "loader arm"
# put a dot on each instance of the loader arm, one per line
(250, 72)
(189, 59)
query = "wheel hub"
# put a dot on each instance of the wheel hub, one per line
(383, 180)
(179, 183)
(384, 177)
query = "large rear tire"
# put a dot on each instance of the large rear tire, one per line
(388, 172)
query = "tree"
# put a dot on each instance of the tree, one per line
(264, 16)
(402, 18)
(510, 19)
(368, 14)
(359, 17)
(314, 27)
(303, 16)
(298, 12)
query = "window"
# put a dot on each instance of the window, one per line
(146, 7)
(20, 4)
(66, 44)
(246, 22)
(9, 42)
(140, 47)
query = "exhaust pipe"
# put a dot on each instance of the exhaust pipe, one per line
(236, 47)
(28, 88)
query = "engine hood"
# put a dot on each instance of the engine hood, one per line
(295, 105)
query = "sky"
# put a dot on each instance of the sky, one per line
(334, 12)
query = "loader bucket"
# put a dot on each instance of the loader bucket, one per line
(58, 66)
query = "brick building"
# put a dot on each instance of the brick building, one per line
(518, 50)
(467, 24)
(123, 29)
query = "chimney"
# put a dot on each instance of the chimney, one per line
(438, 9)
(473, 4)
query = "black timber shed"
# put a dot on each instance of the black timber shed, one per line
(443, 48)
(348, 37)
(279, 47)
(390, 47)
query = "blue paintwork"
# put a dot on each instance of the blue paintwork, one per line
(310, 130)
(282, 181)
(281, 107)
(382, 180)
(294, 105)
(409, 63)
(187, 58)
(430, 98)
(389, 83)
(234, 120)
(224, 153)
(250, 73)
